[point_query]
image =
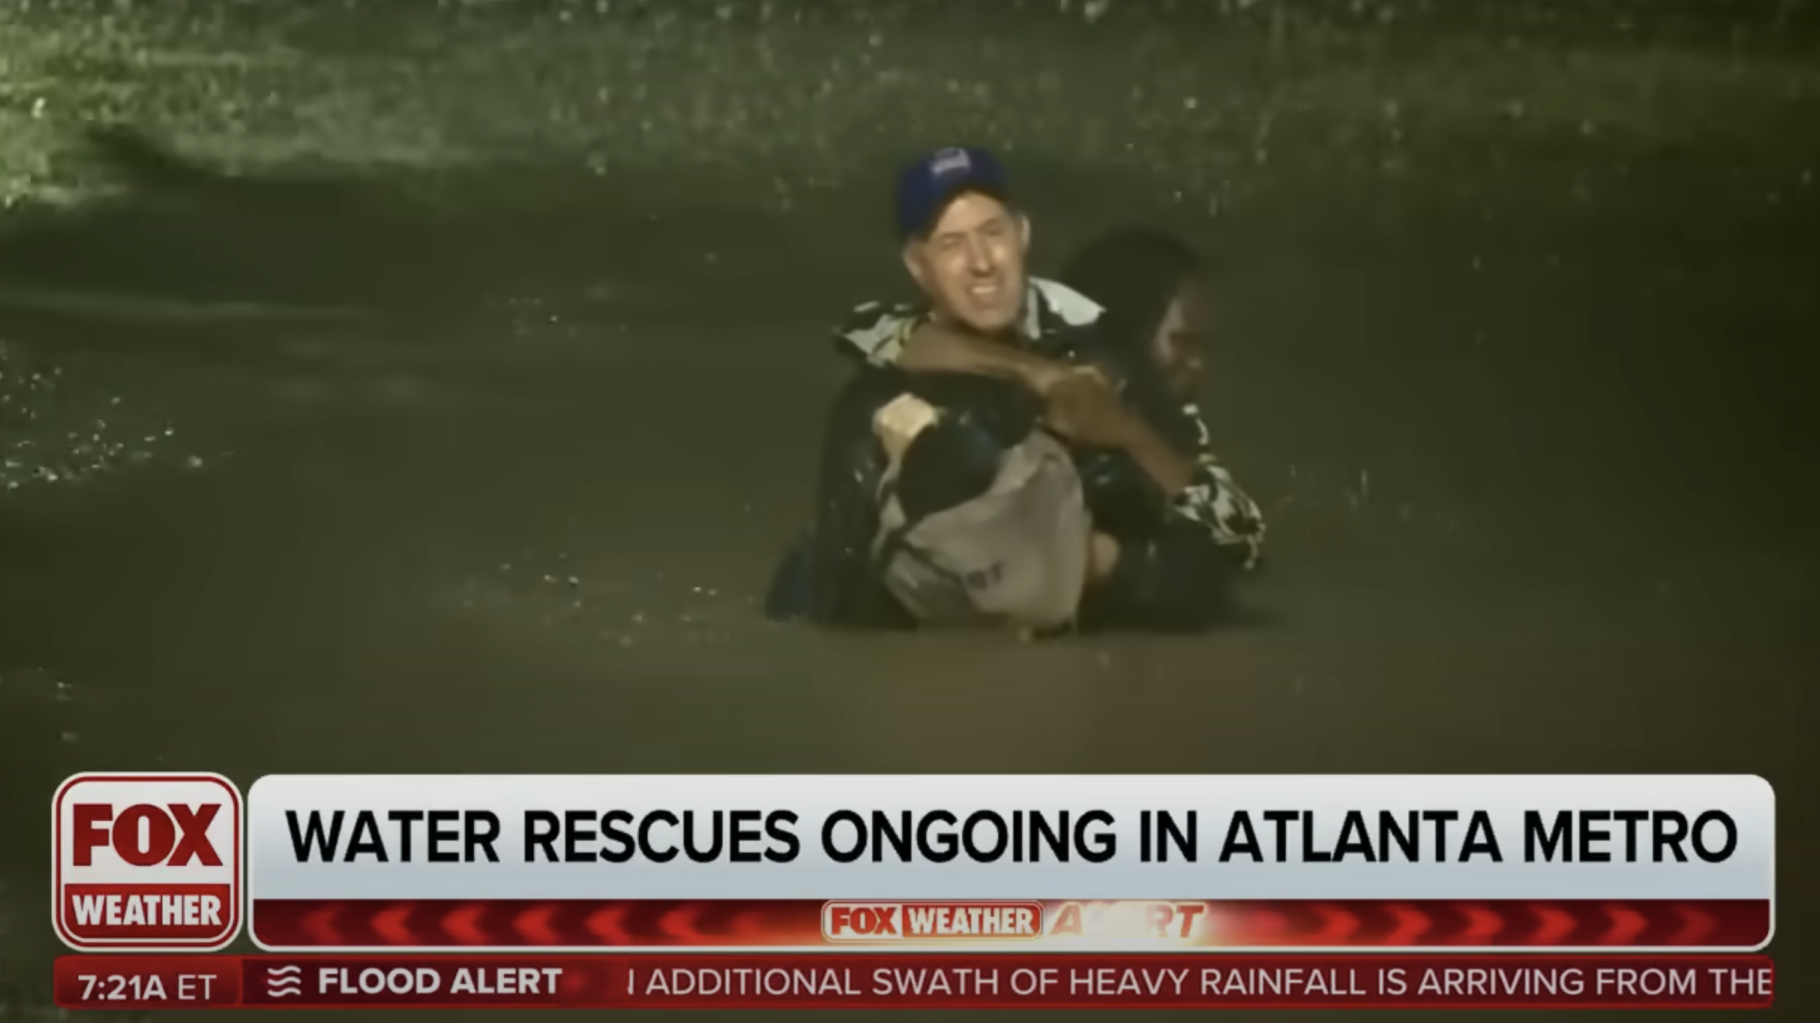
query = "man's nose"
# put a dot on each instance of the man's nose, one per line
(979, 256)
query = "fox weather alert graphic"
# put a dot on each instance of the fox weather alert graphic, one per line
(146, 862)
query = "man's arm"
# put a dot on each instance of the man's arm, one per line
(846, 588)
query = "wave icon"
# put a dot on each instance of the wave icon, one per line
(284, 981)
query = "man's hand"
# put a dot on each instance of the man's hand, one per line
(1083, 406)
(898, 423)
(1102, 557)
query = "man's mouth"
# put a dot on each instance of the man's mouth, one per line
(986, 290)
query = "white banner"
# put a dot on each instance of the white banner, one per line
(1011, 837)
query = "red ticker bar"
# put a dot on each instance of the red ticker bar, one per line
(500, 925)
(812, 981)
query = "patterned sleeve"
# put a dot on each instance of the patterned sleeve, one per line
(876, 333)
(1215, 501)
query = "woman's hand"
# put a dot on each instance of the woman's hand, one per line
(1045, 376)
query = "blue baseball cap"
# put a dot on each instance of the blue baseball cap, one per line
(929, 183)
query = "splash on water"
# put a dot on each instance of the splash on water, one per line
(55, 432)
(621, 609)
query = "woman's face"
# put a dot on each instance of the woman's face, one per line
(1181, 340)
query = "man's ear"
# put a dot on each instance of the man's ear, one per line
(913, 262)
(1023, 228)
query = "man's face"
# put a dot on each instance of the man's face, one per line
(972, 264)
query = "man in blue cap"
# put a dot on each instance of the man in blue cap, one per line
(965, 243)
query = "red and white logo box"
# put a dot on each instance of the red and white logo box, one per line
(147, 862)
(931, 921)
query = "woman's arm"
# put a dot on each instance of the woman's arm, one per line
(931, 348)
(1191, 484)
(1217, 503)
(899, 336)
(1094, 414)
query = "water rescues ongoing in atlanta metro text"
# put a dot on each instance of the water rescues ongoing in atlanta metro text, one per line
(550, 836)
(949, 837)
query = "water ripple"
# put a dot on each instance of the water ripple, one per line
(55, 431)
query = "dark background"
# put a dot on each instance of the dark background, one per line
(429, 387)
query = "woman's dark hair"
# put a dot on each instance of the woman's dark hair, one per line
(1135, 272)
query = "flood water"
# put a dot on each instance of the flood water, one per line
(435, 389)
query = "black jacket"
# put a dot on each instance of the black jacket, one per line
(1170, 574)
(946, 466)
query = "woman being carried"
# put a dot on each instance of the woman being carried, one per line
(1171, 529)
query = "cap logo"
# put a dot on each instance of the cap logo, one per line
(948, 161)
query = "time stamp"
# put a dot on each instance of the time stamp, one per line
(147, 987)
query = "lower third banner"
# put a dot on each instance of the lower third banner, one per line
(809, 981)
